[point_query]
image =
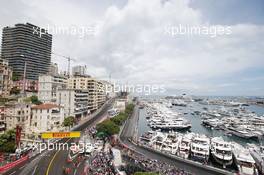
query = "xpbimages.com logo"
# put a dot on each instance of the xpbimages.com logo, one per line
(79, 31)
(142, 89)
(81, 147)
(198, 30)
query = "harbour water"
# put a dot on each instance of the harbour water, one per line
(196, 122)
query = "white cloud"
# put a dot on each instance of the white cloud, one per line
(131, 44)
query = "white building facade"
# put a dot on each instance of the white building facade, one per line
(79, 70)
(18, 114)
(96, 90)
(46, 117)
(48, 86)
(74, 101)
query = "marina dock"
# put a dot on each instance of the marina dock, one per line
(193, 167)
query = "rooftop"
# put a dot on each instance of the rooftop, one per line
(45, 106)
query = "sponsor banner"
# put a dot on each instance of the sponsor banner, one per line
(56, 135)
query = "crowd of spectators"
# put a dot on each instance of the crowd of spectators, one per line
(150, 165)
(101, 164)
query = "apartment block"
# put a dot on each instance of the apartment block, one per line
(96, 90)
(27, 47)
(74, 101)
(48, 86)
(5, 78)
(2, 119)
(46, 117)
(53, 69)
(28, 85)
(18, 114)
(79, 70)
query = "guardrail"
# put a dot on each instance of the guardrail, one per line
(92, 117)
(187, 161)
(13, 164)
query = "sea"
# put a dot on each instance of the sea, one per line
(196, 122)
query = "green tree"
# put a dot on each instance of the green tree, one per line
(111, 126)
(7, 141)
(129, 108)
(108, 127)
(15, 77)
(34, 99)
(68, 121)
(119, 119)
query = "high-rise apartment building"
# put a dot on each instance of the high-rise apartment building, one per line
(27, 47)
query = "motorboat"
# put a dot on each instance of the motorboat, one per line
(221, 151)
(200, 148)
(243, 160)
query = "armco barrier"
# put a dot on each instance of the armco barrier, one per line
(13, 164)
(210, 168)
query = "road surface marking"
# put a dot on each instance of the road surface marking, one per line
(22, 167)
(47, 172)
(34, 170)
(75, 171)
(13, 172)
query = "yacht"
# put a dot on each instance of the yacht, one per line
(171, 124)
(221, 151)
(179, 102)
(257, 152)
(147, 137)
(161, 117)
(212, 122)
(243, 160)
(185, 145)
(241, 132)
(171, 143)
(200, 148)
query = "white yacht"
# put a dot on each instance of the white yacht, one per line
(243, 159)
(185, 145)
(170, 123)
(200, 148)
(171, 143)
(257, 152)
(221, 151)
(179, 102)
(147, 137)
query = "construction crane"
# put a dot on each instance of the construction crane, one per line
(69, 61)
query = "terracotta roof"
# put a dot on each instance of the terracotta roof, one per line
(45, 106)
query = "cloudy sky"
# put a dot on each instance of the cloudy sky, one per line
(138, 41)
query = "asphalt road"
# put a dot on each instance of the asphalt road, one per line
(129, 131)
(52, 162)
